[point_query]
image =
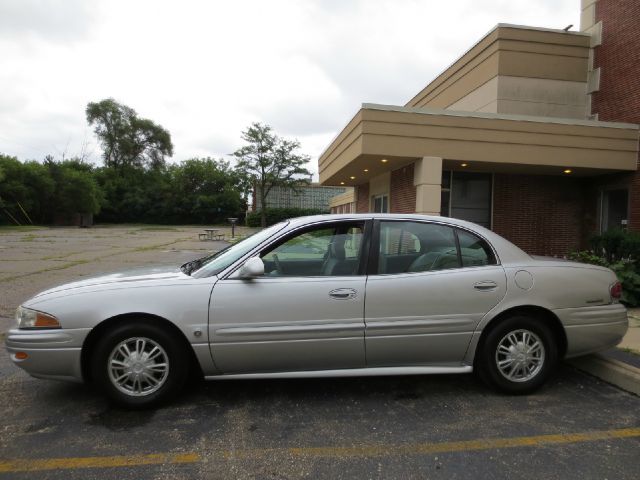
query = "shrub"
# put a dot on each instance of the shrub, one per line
(617, 244)
(620, 251)
(275, 215)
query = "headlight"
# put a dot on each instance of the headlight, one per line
(27, 318)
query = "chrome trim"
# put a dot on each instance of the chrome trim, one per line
(334, 327)
(349, 372)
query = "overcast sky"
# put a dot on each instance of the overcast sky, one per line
(205, 70)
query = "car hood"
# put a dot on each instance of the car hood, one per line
(118, 279)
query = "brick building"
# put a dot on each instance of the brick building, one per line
(532, 132)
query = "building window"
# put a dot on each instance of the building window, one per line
(467, 196)
(614, 209)
(380, 203)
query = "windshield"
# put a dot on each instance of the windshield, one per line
(217, 262)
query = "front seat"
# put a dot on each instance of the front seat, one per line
(335, 263)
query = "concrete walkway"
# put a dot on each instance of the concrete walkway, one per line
(631, 340)
(619, 366)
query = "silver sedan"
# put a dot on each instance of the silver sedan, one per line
(338, 295)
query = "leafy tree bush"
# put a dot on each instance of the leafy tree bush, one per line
(33, 192)
(275, 215)
(76, 189)
(267, 161)
(26, 191)
(200, 191)
(128, 140)
(620, 251)
(617, 244)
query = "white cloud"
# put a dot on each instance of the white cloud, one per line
(206, 69)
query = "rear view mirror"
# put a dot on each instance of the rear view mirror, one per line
(254, 267)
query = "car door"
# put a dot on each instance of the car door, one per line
(429, 286)
(305, 313)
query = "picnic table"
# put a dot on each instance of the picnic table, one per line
(211, 234)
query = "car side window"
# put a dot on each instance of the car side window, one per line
(409, 247)
(327, 250)
(474, 251)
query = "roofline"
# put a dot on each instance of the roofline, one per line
(541, 29)
(500, 116)
(478, 42)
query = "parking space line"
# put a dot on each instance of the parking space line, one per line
(442, 447)
(30, 465)
(381, 450)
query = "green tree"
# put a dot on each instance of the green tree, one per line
(128, 140)
(76, 189)
(26, 191)
(267, 161)
(207, 190)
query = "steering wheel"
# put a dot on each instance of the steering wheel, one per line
(276, 260)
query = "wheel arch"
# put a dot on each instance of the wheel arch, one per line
(88, 347)
(541, 313)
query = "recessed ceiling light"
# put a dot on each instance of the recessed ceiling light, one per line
(352, 178)
(568, 171)
(341, 183)
(366, 170)
(384, 160)
(463, 164)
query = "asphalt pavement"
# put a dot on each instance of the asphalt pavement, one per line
(445, 427)
(386, 427)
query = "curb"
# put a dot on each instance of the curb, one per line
(620, 374)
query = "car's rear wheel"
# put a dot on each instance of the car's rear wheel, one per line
(518, 355)
(139, 364)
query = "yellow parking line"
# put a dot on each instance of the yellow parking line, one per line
(29, 465)
(26, 465)
(442, 447)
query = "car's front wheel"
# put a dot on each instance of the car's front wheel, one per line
(139, 364)
(517, 355)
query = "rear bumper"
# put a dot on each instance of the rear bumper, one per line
(592, 329)
(52, 354)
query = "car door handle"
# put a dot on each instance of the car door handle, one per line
(486, 286)
(343, 293)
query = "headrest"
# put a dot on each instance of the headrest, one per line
(336, 250)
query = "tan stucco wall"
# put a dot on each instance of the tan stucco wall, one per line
(347, 197)
(400, 134)
(482, 99)
(587, 14)
(527, 96)
(427, 180)
(511, 51)
(379, 185)
(542, 97)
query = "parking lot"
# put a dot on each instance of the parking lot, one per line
(395, 427)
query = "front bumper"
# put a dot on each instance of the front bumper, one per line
(52, 354)
(593, 329)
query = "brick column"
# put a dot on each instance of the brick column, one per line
(427, 180)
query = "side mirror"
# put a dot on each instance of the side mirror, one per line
(254, 267)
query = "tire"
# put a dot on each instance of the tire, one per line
(518, 355)
(139, 365)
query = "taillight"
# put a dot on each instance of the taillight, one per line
(616, 290)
